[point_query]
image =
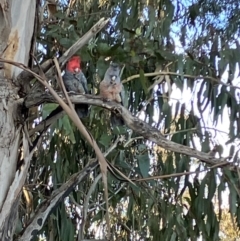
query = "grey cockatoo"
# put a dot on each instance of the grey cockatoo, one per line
(112, 89)
(74, 80)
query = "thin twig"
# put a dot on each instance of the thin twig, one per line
(62, 84)
(45, 123)
(181, 173)
(176, 74)
(26, 76)
(86, 204)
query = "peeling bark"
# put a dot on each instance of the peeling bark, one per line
(16, 32)
(9, 145)
(9, 137)
(20, 37)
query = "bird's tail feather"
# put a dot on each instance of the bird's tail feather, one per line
(82, 110)
(116, 120)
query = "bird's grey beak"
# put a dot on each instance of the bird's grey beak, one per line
(114, 77)
(114, 65)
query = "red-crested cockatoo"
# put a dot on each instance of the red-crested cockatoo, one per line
(111, 89)
(74, 80)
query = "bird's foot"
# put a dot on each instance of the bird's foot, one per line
(106, 99)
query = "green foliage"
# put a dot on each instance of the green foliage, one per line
(193, 44)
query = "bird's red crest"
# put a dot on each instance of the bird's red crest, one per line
(74, 64)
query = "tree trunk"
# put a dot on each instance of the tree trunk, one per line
(17, 19)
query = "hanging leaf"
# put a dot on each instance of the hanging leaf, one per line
(143, 81)
(144, 164)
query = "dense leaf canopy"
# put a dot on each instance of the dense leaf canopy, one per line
(180, 72)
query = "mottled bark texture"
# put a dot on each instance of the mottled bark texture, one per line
(16, 32)
(9, 144)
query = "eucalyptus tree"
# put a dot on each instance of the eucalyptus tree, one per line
(173, 164)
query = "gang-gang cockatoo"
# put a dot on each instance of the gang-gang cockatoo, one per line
(74, 80)
(111, 89)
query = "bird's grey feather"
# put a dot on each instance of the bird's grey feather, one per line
(77, 83)
(113, 74)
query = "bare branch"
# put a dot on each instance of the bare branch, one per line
(86, 203)
(41, 126)
(140, 127)
(26, 76)
(180, 174)
(81, 42)
(37, 222)
(19, 180)
(48, 206)
(218, 81)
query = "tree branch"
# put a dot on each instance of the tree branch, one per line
(48, 67)
(140, 127)
(14, 192)
(218, 81)
(48, 206)
(45, 123)
(80, 43)
(86, 205)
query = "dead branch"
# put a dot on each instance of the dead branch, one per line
(218, 81)
(140, 127)
(48, 206)
(48, 67)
